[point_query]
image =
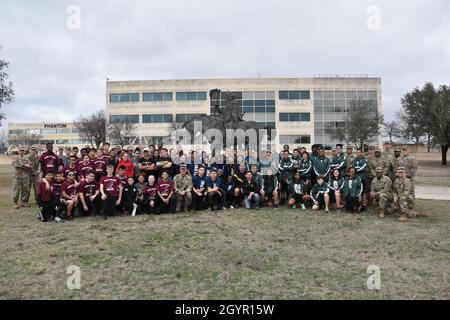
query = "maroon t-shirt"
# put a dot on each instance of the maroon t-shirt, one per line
(88, 188)
(66, 170)
(150, 191)
(85, 168)
(99, 166)
(49, 162)
(123, 180)
(69, 188)
(46, 195)
(110, 185)
(165, 187)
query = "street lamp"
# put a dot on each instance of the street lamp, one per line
(214, 95)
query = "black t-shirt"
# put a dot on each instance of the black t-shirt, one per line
(146, 162)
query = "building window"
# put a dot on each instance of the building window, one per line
(46, 141)
(63, 131)
(11, 132)
(157, 96)
(157, 118)
(297, 116)
(80, 142)
(75, 131)
(62, 141)
(48, 131)
(33, 131)
(134, 118)
(294, 95)
(123, 97)
(304, 139)
(191, 96)
(187, 117)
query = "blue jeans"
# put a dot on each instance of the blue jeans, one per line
(248, 203)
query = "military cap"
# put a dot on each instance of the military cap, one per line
(183, 165)
(397, 149)
(21, 148)
(349, 147)
(377, 150)
(378, 169)
(405, 147)
(401, 168)
(33, 148)
(371, 147)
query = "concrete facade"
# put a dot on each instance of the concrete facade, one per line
(326, 94)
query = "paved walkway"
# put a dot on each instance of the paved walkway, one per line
(432, 193)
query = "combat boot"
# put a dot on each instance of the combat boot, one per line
(381, 213)
(420, 213)
(16, 205)
(403, 217)
(178, 208)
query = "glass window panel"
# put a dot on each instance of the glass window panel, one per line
(249, 109)
(328, 109)
(191, 96)
(201, 96)
(248, 103)
(261, 95)
(283, 95)
(181, 96)
(350, 95)
(294, 117)
(328, 103)
(294, 95)
(284, 117)
(318, 103)
(339, 102)
(372, 95)
(270, 102)
(305, 116)
(318, 95)
(328, 94)
(134, 97)
(260, 109)
(270, 109)
(362, 94)
(305, 95)
(248, 95)
(63, 131)
(260, 103)
(270, 117)
(114, 98)
(339, 94)
(48, 131)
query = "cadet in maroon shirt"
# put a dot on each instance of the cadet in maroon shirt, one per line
(99, 165)
(69, 194)
(85, 167)
(58, 180)
(49, 160)
(72, 167)
(165, 192)
(150, 199)
(111, 190)
(45, 197)
(89, 191)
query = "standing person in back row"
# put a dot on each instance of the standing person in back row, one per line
(361, 166)
(49, 160)
(111, 190)
(21, 179)
(322, 165)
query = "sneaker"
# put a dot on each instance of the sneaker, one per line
(231, 207)
(327, 211)
(39, 215)
(59, 220)
(294, 207)
(69, 219)
(275, 207)
(223, 208)
(303, 207)
(257, 208)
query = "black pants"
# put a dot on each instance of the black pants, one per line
(93, 206)
(229, 198)
(48, 209)
(165, 208)
(109, 206)
(147, 208)
(215, 200)
(352, 204)
(128, 207)
(197, 201)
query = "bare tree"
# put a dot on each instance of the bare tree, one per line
(24, 140)
(392, 130)
(92, 128)
(6, 90)
(361, 124)
(122, 133)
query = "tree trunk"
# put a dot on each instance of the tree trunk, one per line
(444, 149)
(428, 142)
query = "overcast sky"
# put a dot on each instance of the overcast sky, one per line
(59, 71)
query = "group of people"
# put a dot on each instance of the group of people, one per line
(156, 180)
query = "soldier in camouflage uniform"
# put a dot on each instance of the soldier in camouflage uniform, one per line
(378, 161)
(33, 158)
(21, 180)
(395, 162)
(381, 192)
(410, 163)
(403, 199)
(183, 188)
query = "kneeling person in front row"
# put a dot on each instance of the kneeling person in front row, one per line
(250, 192)
(183, 188)
(216, 196)
(352, 190)
(320, 195)
(130, 198)
(165, 192)
(298, 192)
(88, 193)
(381, 191)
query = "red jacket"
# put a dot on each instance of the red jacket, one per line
(129, 168)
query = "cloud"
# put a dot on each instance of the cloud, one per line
(60, 73)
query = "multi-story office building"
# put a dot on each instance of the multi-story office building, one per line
(60, 134)
(300, 109)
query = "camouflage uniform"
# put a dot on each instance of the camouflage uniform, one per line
(410, 164)
(34, 174)
(21, 179)
(380, 162)
(395, 163)
(402, 196)
(183, 183)
(383, 191)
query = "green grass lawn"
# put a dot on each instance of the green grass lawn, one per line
(236, 254)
